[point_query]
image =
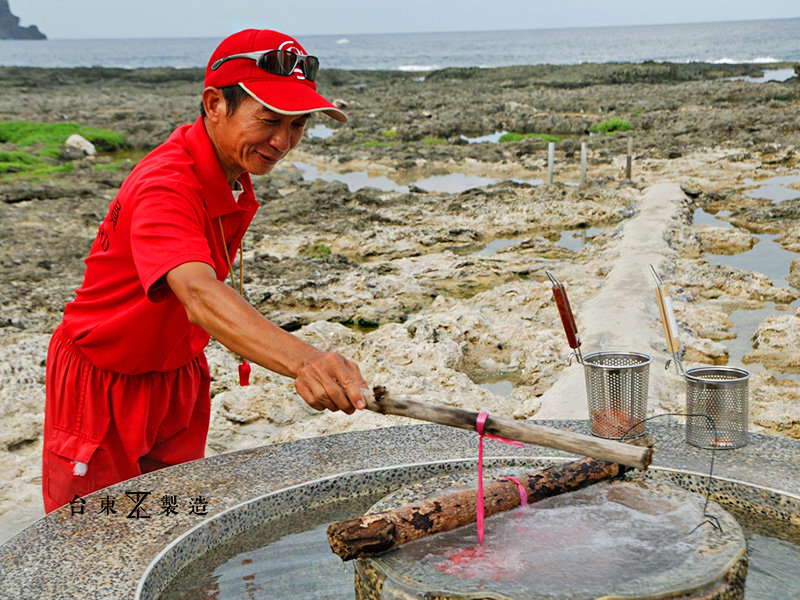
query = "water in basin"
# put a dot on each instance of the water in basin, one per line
(772, 562)
(609, 538)
(294, 561)
(524, 550)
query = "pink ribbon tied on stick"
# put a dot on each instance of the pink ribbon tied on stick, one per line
(523, 496)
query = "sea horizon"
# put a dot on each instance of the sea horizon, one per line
(437, 32)
(759, 41)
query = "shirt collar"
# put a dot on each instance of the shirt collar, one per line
(217, 194)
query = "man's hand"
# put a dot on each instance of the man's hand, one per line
(329, 380)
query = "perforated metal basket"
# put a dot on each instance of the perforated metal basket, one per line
(616, 387)
(721, 393)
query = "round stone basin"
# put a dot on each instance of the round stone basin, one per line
(226, 548)
(264, 498)
(631, 538)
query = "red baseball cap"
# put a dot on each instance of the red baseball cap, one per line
(286, 94)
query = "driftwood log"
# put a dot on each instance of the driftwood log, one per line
(371, 534)
(522, 431)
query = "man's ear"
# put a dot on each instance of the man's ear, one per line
(214, 104)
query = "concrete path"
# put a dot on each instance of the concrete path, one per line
(624, 315)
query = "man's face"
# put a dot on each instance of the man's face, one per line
(254, 138)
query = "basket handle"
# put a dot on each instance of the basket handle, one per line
(668, 320)
(565, 311)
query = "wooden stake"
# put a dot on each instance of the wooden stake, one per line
(371, 534)
(522, 431)
(583, 163)
(629, 158)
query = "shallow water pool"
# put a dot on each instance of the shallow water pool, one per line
(570, 239)
(451, 183)
(775, 188)
(492, 138)
(767, 257)
(778, 75)
(577, 239)
(320, 131)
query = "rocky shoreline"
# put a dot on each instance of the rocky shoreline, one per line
(405, 289)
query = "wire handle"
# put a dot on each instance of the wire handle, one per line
(708, 518)
(668, 322)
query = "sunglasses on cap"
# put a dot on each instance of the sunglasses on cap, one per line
(278, 62)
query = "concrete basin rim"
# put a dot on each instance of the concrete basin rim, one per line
(551, 459)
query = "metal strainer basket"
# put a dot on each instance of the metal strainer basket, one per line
(616, 386)
(716, 396)
(721, 393)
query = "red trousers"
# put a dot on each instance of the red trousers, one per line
(119, 425)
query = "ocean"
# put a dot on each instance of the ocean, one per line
(767, 41)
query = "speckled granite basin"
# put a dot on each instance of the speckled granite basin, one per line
(64, 556)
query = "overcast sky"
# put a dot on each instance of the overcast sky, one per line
(81, 19)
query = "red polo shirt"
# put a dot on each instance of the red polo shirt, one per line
(124, 317)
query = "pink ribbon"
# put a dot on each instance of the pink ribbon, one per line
(523, 497)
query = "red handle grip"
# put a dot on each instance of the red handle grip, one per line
(567, 319)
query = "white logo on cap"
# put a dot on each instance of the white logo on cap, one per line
(289, 45)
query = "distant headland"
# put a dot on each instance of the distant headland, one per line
(10, 29)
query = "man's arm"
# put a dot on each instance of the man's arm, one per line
(323, 379)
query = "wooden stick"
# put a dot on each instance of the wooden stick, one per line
(522, 431)
(629, 158)
(583, 163)
(371, 534)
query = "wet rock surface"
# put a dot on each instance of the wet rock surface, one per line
(719, 240)
(410, 288)
(775, 342)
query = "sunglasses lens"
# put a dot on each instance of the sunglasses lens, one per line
(312, 67)
(280, 62)
(283, 62)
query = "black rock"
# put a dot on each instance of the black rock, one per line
(10, 28)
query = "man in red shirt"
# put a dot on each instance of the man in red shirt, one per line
(127, 388)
